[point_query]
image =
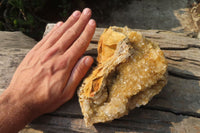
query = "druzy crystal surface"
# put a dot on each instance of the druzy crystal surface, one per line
(130, 71)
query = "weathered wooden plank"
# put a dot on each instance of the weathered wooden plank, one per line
(16, 40)
(139, 120)
(175, 109)
(166, 39)
(1, 91)
(9, 60)
(180, 96)
(28, 129)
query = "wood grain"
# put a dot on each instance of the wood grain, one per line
(175, 109)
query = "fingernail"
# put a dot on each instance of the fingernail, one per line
(86, 11)
(88, 61)
(76, 14)
(59, 23)
(92, 22)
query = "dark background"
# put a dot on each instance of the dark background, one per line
(31, 16)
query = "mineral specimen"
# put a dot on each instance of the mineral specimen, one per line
(130, 71)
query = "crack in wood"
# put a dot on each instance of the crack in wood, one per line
(94, 42)
(195, 63)
(78, 116)
(182, 59)
(194, 46)
(183, 75)
(184, 113)
(188, 46)
(152, 37)
(122, 127)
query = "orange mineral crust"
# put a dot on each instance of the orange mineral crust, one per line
(130, 71)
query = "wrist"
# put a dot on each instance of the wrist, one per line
(13, 112)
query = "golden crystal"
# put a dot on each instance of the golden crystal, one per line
(130, 71)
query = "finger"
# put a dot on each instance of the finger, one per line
(44, 39)
(62, 29)
(74, 32)
(51, 32)
(81, 44)
(79, 71)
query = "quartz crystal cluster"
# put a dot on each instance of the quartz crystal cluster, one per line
(130, 71)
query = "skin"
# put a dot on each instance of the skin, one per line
(49, 74)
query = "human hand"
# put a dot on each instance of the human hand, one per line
(51, 71)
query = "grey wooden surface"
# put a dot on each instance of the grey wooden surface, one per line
(175, 109)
